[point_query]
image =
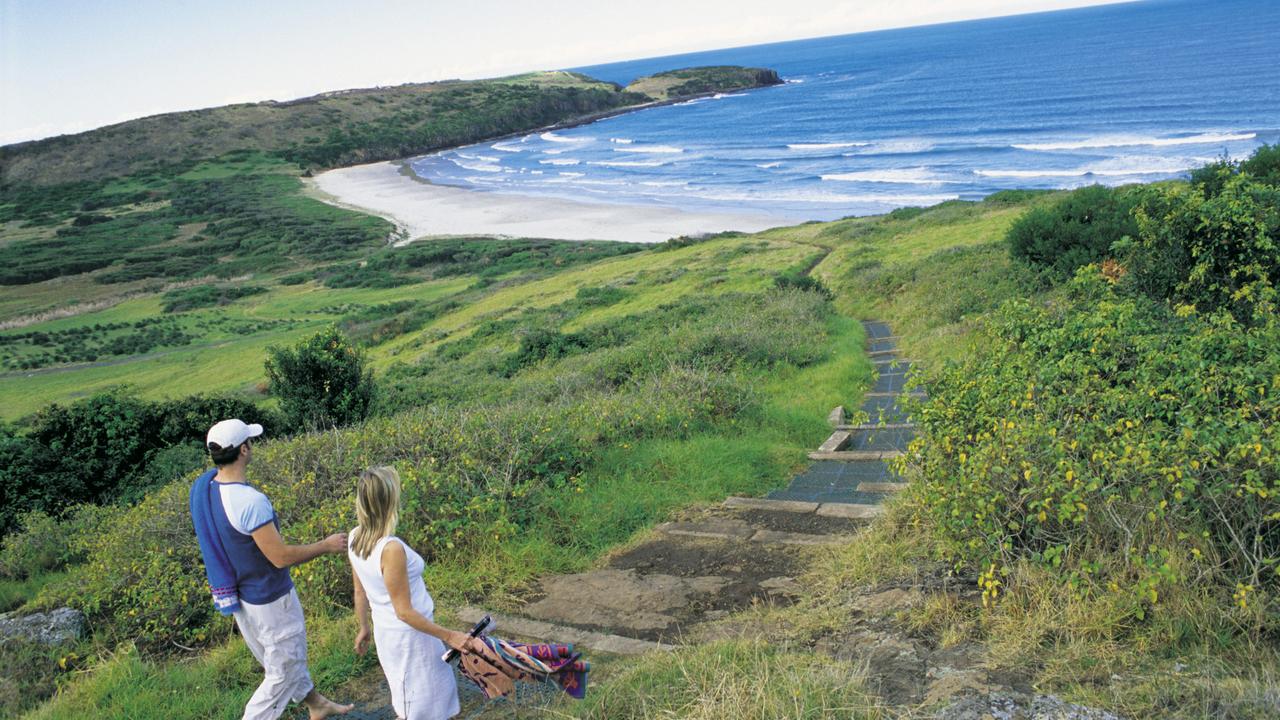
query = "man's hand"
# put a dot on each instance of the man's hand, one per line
(335, 543)
(362, 641)
(282, 555)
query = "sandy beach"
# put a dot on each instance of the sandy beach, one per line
(421, 209)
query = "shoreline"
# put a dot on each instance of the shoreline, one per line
(421, 209)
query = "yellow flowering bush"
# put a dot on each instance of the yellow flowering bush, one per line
(1112, 440)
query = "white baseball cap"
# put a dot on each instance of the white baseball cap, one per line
(231, 433)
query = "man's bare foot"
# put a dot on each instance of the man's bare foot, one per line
(321, 707)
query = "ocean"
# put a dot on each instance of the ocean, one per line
(873, 121)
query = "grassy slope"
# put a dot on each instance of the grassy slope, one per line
(630, 487)
(932, 276)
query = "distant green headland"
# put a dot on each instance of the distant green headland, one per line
(211, 195)
(348, 127)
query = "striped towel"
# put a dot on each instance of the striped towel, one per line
(205, 500)
(502, 664)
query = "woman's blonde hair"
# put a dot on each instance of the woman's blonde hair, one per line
(377, 508)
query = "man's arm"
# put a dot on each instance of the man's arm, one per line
(282, 555)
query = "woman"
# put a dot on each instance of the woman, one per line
(387, 575)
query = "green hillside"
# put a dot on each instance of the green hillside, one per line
(345, 127)
(694, 81)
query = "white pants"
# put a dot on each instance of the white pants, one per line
(277, 637)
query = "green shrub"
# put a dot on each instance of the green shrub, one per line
(1264, 165)
(1125, 448)
(1076, 231)
(1218, 252)
(202, 296)
(43, 543)
(802, 281)
(100, 449)
(38, 546)
(322, 382)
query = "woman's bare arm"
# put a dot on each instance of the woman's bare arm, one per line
(395, 574)
(361, 602)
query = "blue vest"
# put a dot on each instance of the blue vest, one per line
(257, 580)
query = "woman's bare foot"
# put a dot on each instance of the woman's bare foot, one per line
(321, 707)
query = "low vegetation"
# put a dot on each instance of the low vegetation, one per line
(1097, 458)
(1097, 454)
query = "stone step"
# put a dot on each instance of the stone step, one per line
(838, 439)
(876, 426)
(731, 530)
(850, 511)
(881, 353)
(551, 632)
(855, 455)
(745, 503)
(914, 393)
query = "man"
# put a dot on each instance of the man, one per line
(247, 563)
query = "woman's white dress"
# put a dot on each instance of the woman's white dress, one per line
(422, 686)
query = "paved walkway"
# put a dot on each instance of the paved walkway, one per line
(846, 469)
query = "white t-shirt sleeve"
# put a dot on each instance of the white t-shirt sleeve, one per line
(247, 509)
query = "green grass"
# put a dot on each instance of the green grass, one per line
(213, 686)
(16, 593)
(742, 679)
(223, 357)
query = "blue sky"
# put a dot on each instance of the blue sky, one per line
(72, 65)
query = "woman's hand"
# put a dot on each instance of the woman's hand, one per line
(463, 642)
(362, 641)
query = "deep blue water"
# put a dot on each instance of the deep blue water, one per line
(873, 121)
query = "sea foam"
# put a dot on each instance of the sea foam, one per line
(552, 137)
(825, 146)
(902, 176)
(1106, 141)
(662, 149)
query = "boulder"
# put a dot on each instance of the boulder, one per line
(51, 628)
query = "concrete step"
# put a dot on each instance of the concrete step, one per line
(745, 503)
(855, 455)
(866, 427)
(507, 625)
(838, 439)
(914, 393)
(850, 511)
(731, 530)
